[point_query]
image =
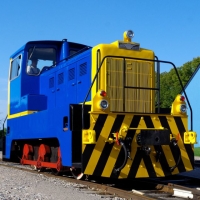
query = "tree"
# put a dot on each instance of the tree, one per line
(2, 129)
(169, 83)
(2, 133)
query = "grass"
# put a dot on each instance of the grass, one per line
(197, 151)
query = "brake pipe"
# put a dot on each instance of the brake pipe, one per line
(125, 156)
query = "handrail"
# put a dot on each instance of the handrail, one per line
(158, 84)
(71, 56)
(4, 122)
(135, 58)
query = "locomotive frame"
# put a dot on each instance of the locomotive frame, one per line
(93, 112)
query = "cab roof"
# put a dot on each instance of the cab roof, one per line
(48, 42)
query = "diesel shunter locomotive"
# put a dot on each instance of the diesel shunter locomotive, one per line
(95, 111)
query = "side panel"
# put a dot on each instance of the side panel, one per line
(61, 114)
(83, 78)
(48, 87)
(72, 83)
(15, 95)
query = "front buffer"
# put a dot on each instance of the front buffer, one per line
(121, 145)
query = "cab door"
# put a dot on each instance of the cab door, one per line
(15, 85)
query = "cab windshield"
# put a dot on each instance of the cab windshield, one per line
(40, 59)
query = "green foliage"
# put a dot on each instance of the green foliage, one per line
(2, 133)
(169, 83)
(197, 151)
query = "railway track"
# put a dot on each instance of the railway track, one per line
(176, 187)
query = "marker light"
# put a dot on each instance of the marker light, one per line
(179, 106)
(183, 108)
(103, 104)
(103, 93)
(182, 98)
(130, 34)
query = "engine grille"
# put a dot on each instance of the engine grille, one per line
(130, 85)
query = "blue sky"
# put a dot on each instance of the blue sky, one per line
(170, 28)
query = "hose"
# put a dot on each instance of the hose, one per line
(125, 157)
(179, 158)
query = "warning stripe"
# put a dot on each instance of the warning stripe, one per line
(100, 144)
(141, 155)
(175, 154)
(177, 135)
(103, 155)
(188, 147)
(162, 159)
(114, 154)
(89, 148)
(130, 134)
(108, 147)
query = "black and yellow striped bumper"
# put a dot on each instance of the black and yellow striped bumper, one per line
(101, 158)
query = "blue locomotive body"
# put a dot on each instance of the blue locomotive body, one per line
(39, 104)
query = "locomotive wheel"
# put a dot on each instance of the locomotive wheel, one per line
(77, 174)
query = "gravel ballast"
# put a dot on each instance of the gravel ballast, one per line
(19, 185)
(16, 184)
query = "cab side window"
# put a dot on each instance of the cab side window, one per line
(15, 67)
(40, 59)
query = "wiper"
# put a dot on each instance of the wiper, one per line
(32, 53)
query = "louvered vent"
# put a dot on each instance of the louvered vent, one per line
(51, 82)
(60, 78)
(71, 74)
(129, 86)
(83, 69)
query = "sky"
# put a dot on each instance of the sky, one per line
(169, 28)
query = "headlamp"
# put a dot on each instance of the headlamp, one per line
(183, 108)
(130, 34)
(103, 104)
